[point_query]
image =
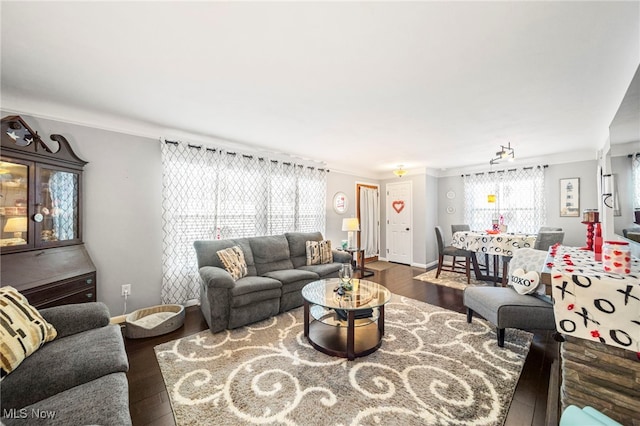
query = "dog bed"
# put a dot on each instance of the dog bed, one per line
(154, 321)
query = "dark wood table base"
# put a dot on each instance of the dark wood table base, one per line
(346, 341)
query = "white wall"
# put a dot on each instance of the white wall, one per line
(122, 199)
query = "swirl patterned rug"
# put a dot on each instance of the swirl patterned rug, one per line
(432, 368)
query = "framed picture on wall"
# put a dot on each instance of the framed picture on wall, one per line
(570, 197)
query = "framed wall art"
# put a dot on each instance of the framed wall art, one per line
(570, 197)
(340, 202)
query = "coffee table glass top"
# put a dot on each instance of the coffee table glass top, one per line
(365, 294)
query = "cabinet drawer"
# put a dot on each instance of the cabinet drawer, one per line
(75, 290)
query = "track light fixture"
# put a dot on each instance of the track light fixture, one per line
(505, 153)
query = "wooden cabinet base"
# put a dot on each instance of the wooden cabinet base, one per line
(51, 277)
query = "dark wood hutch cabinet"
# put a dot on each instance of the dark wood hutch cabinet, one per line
(41, 249)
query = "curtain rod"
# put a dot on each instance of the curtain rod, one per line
(286, 163)
(544, 166)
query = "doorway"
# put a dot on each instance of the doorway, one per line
(399, 222)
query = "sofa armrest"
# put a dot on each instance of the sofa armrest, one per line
(341, 256)
(76, 318)
(216, 277)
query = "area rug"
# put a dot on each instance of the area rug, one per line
(449, 279)
(432, 368)
(379, 265)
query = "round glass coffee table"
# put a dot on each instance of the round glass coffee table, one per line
(349, 325)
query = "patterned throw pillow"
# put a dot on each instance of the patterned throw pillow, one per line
(319, 252)
(22, 329)
(233, 260)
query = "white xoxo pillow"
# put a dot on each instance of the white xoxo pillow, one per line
(524, 282)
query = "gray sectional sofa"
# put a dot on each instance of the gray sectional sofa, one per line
(79, 378)
(277, 272)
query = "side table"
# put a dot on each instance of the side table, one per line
(357, 254)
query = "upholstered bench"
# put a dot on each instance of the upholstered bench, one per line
(505, 307)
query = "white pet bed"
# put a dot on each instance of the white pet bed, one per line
(154, 321)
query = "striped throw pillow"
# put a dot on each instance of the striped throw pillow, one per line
(319, 252)
(22, 329)
(233, 260)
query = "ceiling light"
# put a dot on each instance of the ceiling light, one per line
(400, 171)
(505, 153)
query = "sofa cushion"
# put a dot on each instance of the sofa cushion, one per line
(104, 401)
(64, 363)
(319, 252)
(287, 276)
(22, 329)
(233, 260)
(297, 245)
(323, 270)
(270, 253)
(251, 284)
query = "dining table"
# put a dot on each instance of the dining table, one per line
(500, 245)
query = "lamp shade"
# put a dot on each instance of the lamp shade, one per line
(350, 224)
(16, 224)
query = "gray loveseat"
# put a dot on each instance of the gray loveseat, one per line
(277, 272)
(79, 378)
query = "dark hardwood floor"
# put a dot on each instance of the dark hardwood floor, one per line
(149, 402)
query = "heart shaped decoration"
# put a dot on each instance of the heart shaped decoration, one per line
(398, 205)
(524, 282)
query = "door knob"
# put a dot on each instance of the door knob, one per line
(406, 229)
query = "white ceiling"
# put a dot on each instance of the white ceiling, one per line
(360, 86)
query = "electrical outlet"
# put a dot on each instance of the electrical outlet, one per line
(126, 289)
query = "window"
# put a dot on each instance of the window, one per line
(519, 199)
(209, 193)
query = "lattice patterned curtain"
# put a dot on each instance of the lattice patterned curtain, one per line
(519, 199)
(635, 169)
(211, 193)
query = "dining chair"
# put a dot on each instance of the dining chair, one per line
(547, 236)
(481, 266)
(457, 266)
(546, 239)
(459, 228)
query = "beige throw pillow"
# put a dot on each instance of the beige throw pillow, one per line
(22, 329)
(319, 252)
(233, 260)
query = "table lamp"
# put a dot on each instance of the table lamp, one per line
(17, 225)
(351, 224)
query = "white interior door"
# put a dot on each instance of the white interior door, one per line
(399, 222)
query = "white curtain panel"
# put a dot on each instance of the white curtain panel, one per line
(210, 193)
(635, 169)
(369, 219)
(519, 199)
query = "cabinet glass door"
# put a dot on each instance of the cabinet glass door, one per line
(14, 222)
(57, 211)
